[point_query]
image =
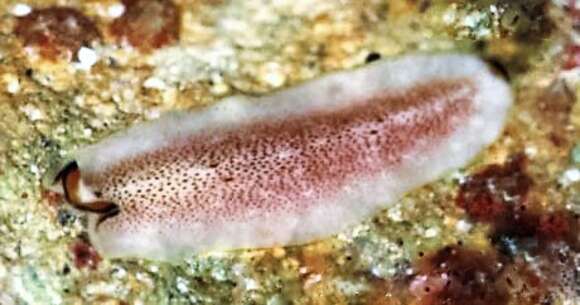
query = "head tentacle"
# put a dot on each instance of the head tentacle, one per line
(70, 177)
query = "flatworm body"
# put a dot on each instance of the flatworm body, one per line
(299, 165)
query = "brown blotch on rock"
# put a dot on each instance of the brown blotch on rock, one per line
(53, 199)
(57, 32)
(148, 24)
(528, 20)
(454, 275)
(534, 231)
(386, 292)
(554, 105)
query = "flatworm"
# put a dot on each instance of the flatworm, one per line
(296, 166)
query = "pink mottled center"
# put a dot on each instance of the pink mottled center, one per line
(285, 164)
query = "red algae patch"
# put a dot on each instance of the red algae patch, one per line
(538, 248)
(532, 259)
(498, 195)
(485, 195)
(558, 226)
(56, 31)
(53, 199)
(571, 57)
(148, 25)
(84, 255)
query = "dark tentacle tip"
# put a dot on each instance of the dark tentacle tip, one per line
(109, 207)
(112, 212)
(105, 209)
(67, 169)
(498, 68)
(372, 56)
